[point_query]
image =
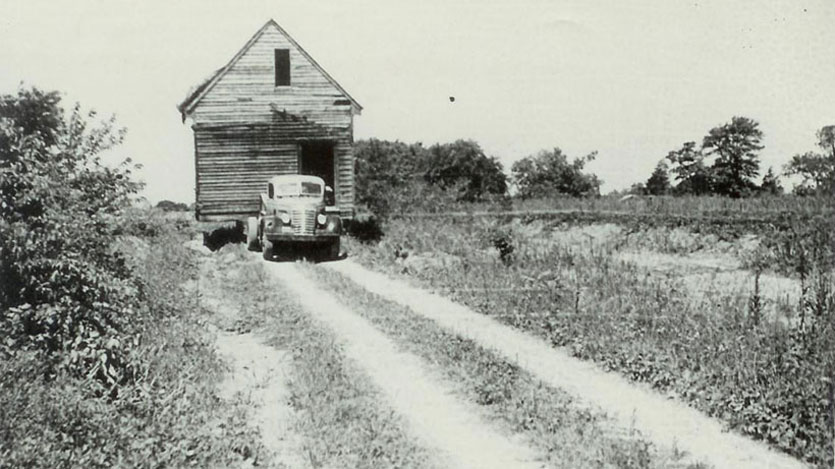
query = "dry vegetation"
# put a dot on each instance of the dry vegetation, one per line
(567, 433)
(761, 362)
(107, 358)
(339, 414)
(168, 413)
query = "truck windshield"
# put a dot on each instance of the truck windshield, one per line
(311, 188)
(294, 189)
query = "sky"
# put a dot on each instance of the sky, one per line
(630, 80)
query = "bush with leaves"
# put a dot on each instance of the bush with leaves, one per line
(63, 289)
(382, 167)
(393, 177)
(463, 165)
(549, 173)
(171, 206)
(103, 362)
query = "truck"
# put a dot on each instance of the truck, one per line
(273, 117)
(296, 211)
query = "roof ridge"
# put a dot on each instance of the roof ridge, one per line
(201, 90)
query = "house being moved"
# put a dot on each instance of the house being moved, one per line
(271, 110)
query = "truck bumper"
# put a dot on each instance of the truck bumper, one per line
(317, 238)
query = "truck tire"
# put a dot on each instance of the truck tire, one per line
(267, 249)
(332, 251)
(252, 233)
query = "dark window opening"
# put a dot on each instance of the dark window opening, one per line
(282, 67)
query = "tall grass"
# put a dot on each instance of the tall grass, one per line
(760, 211)
(168, 415)
(569, 435)
(337, 411)
(766, 377)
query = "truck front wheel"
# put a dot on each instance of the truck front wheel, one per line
(332, 249)
(252, 233)
(267, 249)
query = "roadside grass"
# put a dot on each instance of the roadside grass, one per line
(657, 207)
(168, 415)
(568, 433)
(766, 377)
(688, 206)
(343, 419)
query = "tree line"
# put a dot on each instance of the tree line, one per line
(726, 162)
(392, 175)
(734, 148)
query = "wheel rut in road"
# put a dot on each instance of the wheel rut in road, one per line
(261, 372)
(435, 416)
(666, 422)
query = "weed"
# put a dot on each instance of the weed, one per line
(765, 376)
(569, 434)
(337, 409)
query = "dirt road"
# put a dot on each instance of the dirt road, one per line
(665, 422)
(437, 418)
(451, 427)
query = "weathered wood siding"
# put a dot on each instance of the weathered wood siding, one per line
(247, 92)
(234, 164)
(247, 129)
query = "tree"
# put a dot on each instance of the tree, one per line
(549, 173)
(638, 188)
(171, 206)
(816, 169)
(658, 182)
(771, 183)
(464, 165)
(690, 171)
(384, 168)
(826, 140)
(735, 146)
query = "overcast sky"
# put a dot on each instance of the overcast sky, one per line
(632, 80)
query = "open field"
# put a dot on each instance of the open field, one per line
(320, 372)
(735, 319)
(721, 319)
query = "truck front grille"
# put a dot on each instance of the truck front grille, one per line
(303, 221)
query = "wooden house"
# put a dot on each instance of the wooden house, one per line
(271, 110)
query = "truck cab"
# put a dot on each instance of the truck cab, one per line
(296, 211)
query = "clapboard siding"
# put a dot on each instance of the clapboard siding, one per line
(247, 91)
(233, 166)
(247, 130)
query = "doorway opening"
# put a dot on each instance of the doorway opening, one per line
(316, 159)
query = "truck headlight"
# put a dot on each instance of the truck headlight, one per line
(321, 219)
(285, 218)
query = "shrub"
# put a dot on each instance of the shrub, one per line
(549, 173)
(462, 165)
(63, 289)
(393, 177)
(170, 206)
(102, 363)
(366, 229)
(765, 376)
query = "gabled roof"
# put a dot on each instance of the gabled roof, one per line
(194, 97)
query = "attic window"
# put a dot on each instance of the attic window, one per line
(282, 67)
